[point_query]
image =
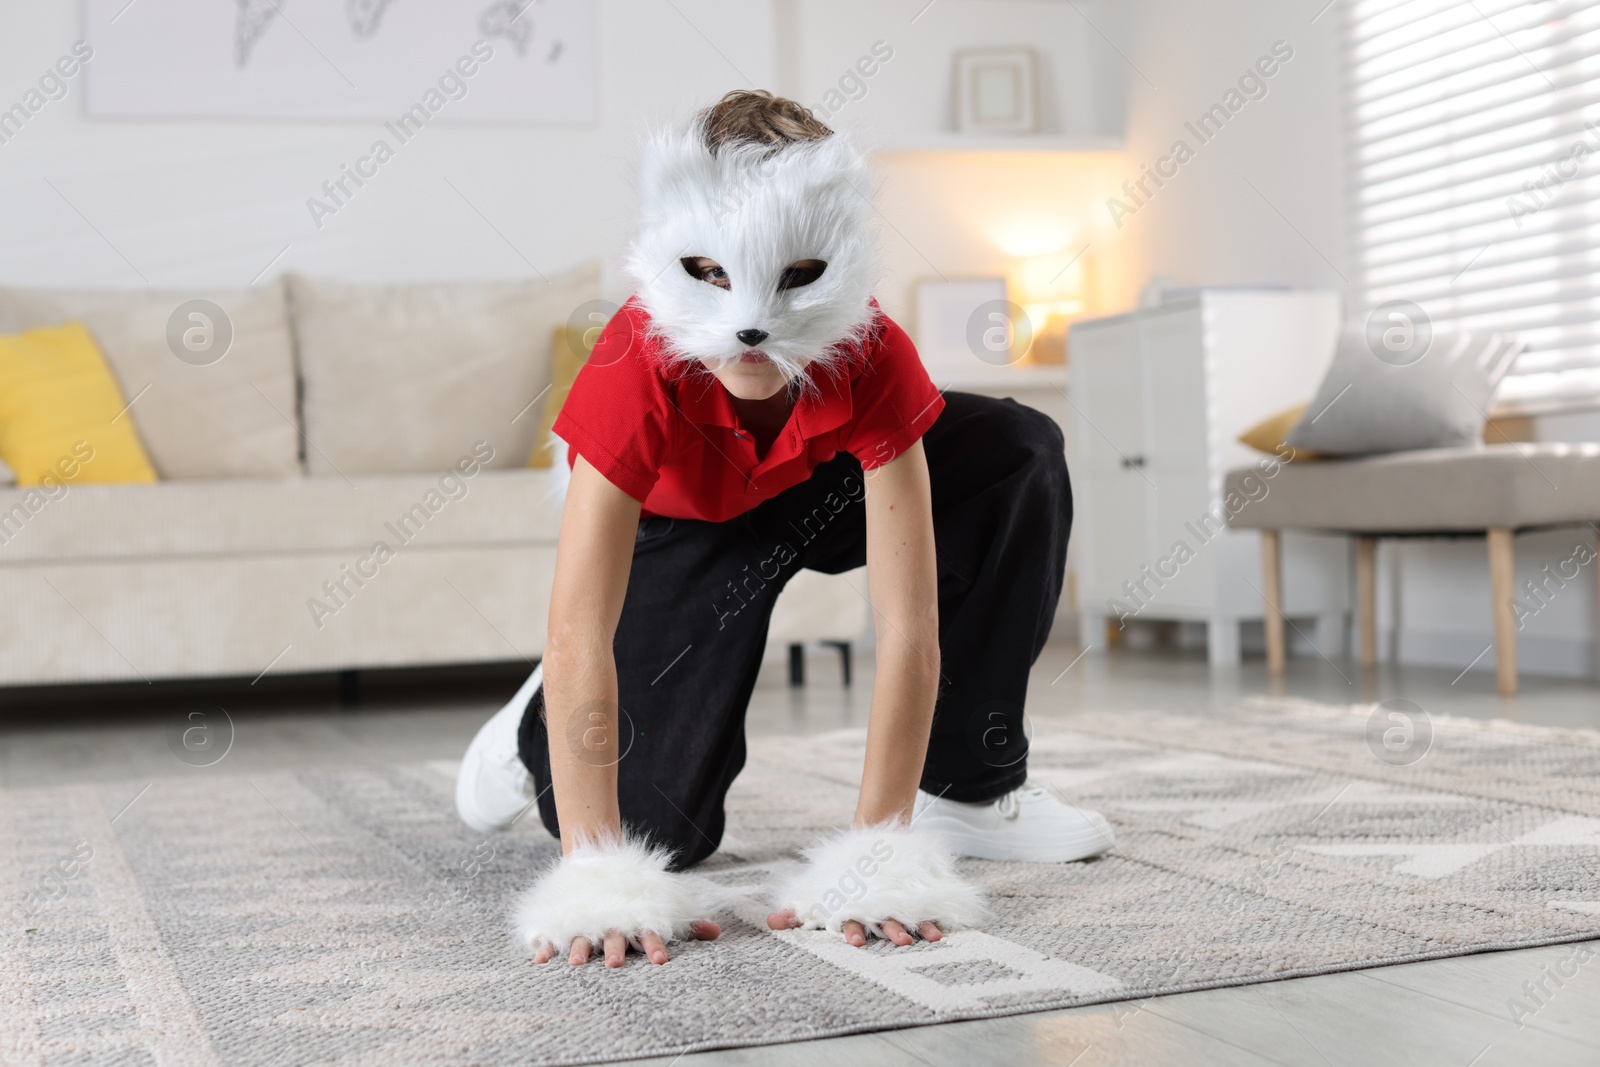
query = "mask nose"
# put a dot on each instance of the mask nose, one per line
(751, 337)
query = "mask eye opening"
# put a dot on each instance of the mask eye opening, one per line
(706, 270)
(801, 273)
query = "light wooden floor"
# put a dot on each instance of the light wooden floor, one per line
(1451, 1013)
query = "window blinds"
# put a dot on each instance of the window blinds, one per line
(1474, 156)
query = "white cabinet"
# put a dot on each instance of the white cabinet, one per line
(1158, 397)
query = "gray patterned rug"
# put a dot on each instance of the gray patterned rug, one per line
(346, 917)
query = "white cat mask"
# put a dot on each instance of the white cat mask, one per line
(755, 214)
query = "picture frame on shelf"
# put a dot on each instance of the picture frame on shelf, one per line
(997, 90)
(950, 312)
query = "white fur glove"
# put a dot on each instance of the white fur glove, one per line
(877, 873)
(613, 885)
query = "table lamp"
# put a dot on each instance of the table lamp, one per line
(1050, 289)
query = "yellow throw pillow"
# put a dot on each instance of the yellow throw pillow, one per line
(569, 348)
(1268, 434)
(62, 414)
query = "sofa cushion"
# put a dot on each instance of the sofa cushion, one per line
(1270, 435)
(1433, 394)
(569, 350)
(402, 378)
(1436, 490)
(62, 416)
(286, 516)
(231, 417)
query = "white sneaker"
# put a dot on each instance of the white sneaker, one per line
(1027, 824)
(493, 788)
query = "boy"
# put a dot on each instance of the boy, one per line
(750, 411)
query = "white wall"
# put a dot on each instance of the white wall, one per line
(1206, 225)
(191, 202)
(1081, 91)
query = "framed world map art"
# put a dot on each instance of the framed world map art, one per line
(491, 61)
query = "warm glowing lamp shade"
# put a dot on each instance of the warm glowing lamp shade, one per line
(1052, 279)
(1051, 290)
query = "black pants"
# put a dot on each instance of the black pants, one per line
(700, 595)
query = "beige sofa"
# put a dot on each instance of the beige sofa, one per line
(346, 487)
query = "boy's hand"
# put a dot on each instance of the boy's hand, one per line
(856, 934)
(616, 946)
(878, 881)
(611, 893)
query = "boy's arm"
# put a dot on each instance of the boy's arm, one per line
(593, 558)
(883, 878)
(903, 580)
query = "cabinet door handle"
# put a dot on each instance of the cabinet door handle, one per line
(1130, 462)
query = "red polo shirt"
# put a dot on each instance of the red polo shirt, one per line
(668, 436)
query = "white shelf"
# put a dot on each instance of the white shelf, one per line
(1034, 377)
(977, 142)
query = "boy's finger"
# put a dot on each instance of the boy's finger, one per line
(545, 953)
(855, 933)
(654, 948)
(930, 932)
(580, 951)
(705, 930)
(782, 920)
(616, 949)
(896, 933)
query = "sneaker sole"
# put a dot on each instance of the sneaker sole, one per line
(979, 846)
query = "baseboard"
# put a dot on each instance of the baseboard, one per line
(1555, 656)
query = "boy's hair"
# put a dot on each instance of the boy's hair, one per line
(755, 116)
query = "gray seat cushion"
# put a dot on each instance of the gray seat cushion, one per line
(1439, 489)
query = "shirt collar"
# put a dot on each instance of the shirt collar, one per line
(703, 400)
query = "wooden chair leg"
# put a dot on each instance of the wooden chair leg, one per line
(1502, 585)
(1367, 598)
(1272, 590)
